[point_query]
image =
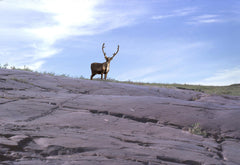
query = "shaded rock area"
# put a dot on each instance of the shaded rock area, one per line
(58, 120)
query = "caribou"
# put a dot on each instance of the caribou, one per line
(102, 68)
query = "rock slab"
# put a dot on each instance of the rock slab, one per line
(58, 120)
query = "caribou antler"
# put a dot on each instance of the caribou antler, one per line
(114, 54)
(103, 50)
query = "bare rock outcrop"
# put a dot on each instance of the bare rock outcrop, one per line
(58, 120)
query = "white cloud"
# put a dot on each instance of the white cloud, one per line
(35, 66)
(223, 77)
(206, 18)
(176, 13)
(32, 27)
(168, 62)
(69, 17)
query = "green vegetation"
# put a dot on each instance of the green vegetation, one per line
(25, 68)
(218, 90)
(19, 80)
(233, 90)
(7, 66)
(197, 130)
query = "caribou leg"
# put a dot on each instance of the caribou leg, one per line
(92, 76)
(105, 76)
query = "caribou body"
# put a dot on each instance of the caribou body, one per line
(102, 68)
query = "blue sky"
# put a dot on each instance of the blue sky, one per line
(164, 41)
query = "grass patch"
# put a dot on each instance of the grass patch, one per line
(19, 80)
(197, 130)
(233, 90)
(218, 90)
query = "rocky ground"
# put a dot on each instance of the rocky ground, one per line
(58, 120)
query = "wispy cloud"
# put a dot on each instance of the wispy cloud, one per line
(205, 19)
(170, 62)
(33, 27)
(223, 77)
(176, 13)
(137, 74)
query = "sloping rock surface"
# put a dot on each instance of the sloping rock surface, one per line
(57, 120)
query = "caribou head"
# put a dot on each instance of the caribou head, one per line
(102, 68)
